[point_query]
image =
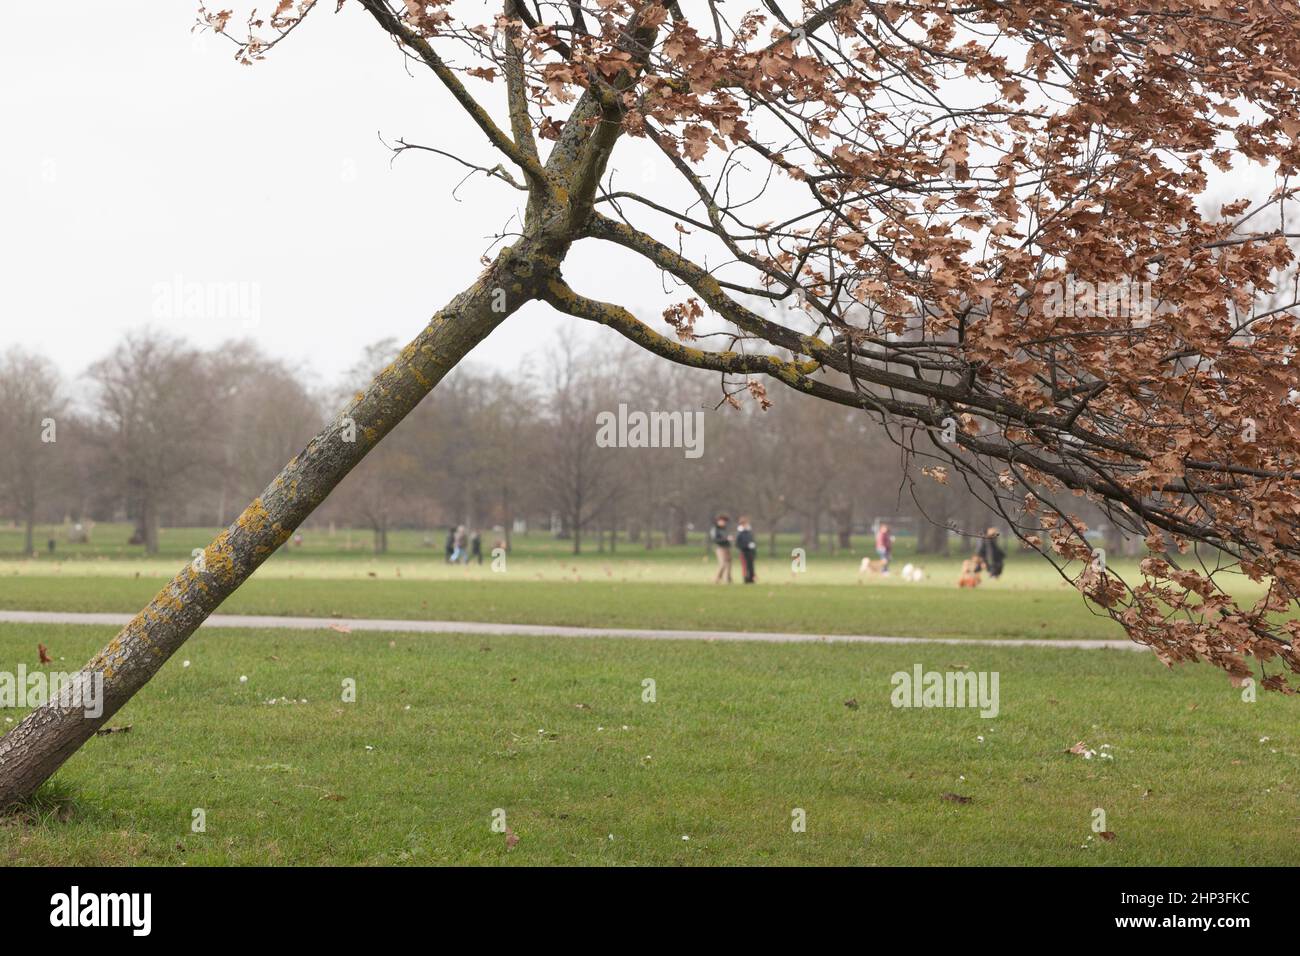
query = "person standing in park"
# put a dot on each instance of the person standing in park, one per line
(450, 547)
(722, 548)
(747, 547)
(884, 546)
(459, 540)
(990, 554)
(476, 547)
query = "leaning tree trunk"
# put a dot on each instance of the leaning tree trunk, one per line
(49, 735)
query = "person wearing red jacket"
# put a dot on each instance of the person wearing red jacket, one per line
(884, 547)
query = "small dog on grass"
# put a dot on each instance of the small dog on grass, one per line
(870, 566)
(970, 574)
(910, 572)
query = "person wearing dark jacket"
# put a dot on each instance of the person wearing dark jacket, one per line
(747, 547)
(990, 555)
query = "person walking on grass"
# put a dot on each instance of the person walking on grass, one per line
(476, 547)
(450, 547)
(459, 541)
(721, 547)
(747, 547)
(884, 547)
(989, 554)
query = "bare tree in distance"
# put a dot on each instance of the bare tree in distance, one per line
(580, 477)
(155, 395)
(31, 404)
(265, 415)
(984, 215)
(506, 424)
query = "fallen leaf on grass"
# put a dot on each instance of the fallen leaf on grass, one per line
(341, 628)
(43, 651)
(956, 798)
(336, 797)
(105, 731)
(851, 703)
(511, 839)
(1107, 835)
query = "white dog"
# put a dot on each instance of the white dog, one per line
(910, 572)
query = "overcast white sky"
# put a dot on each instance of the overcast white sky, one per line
(136, 152)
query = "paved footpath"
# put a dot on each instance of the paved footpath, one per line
(547, 630)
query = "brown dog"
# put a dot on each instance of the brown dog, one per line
(869, 566)
(970, 574)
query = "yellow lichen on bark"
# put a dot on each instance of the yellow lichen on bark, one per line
(254, 518)
(219, 556)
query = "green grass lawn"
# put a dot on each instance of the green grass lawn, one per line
(555, 733)
(542, 584)
(827, 609)
(344, 545)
